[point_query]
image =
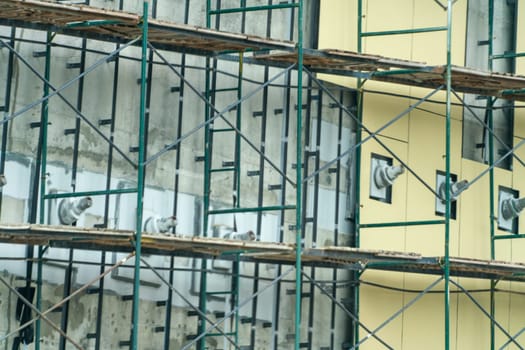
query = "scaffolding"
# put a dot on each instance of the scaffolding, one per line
(156, 39)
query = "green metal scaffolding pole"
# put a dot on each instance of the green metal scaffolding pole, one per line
(299, 187)
(490, 116)
(44, 128)
(357, 196)
(140, 181)
(446, 265)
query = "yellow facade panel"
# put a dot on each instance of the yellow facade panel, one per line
(423, 322)
(374, 211)
(519, 119)
(337, 25)
(472, 322)
(377, 304)
(474, 234)
(380, 108)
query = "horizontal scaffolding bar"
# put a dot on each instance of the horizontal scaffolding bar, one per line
(508, 55)
(253, 8)
(99, 22)
(251, 210)
(89, 193)
(512, 236)
(406, 31)
(403, 223)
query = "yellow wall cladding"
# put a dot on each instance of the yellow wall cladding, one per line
(418, 138)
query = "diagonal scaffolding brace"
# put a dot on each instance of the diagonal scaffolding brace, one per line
(57, 91)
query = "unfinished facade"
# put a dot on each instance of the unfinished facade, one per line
(304, 174)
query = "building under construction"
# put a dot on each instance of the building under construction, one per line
(260, 174)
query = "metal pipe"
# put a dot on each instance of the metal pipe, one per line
(354, 329)
(167, 323)
(40, 315)
(180, 295)
(7, 106)
(140, 181)
(260, 187)
(57, 91)
(508, 342)
(496, 162)
(254, 8)
(72, 295)
(501, 328)
(363, 127)
(490, 116)
(250, 210)
(89, 193)
(298, 178)
(397, 313)
(405, 31)
(448, 201)
(403, 223)
(221, 115)
(228, 314)
(43, 171)
(285, 131)
(333, 296)
(346, 311)
(486, 126)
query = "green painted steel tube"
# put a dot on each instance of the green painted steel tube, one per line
(201, 328)
(237, 179)
(254, 8)
(251, 210)
(140, 180)
(222, 170)
(208, 13)
(490, 116)
(405, 31)
(507, 55)
(43, 165)
(403, 223)
(93, 23)
(237, 277)
(446, 266)
(89, 193)
(357, 196)
(299, 188)
(513, 236)
(513, 91)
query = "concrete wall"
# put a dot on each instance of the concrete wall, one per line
(95, 103)
(419, 140)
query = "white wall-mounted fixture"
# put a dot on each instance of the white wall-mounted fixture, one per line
(509, 208)
(512, 207)
(455, 189)
(69, 210)
(157, 224)
(382, 176)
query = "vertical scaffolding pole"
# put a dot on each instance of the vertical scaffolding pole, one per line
(357, 177)
(7, 105)
(43, 144)
(446, 266)
(298, 190)
(491, 176)
(140, 180)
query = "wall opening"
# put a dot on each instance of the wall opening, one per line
(476, 112)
